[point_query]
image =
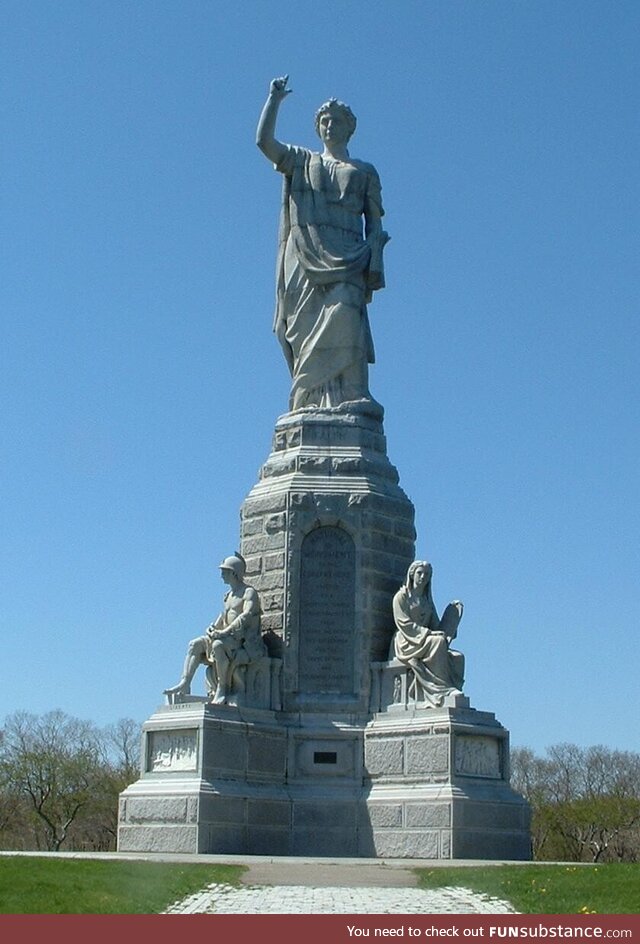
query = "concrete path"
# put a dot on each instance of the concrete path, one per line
(320, 873)
(298, 899)
(292, 885)
(302, 886)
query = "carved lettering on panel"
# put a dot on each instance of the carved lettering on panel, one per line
(327, 612)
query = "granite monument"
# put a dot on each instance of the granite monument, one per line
(334, 722)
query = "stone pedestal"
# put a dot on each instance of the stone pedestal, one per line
(328, 536)
(228, 780)
(324, 752)
(429, 783)
(437, 784)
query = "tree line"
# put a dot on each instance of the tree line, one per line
(585, 802)
(60, 778)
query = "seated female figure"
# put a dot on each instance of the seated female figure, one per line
(422, 640)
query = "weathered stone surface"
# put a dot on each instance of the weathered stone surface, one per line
(426, 755)
(389, 815)
(273, 524)
(254, 566)
(161, 810)
(445, 844)
(260, 543)
(384, 756)
(225, 749)
(432, 815)
(272, 580)
(267, 755)
(261, 505)
(224, 839)
(273, 622)
(285, 798)
(492, 844)
(325, 813)
(272, 813)
(221, 809)
(272, 601)
(331, 471)
(274, 561)
(414, 844)
(488, 815)
(179, 839)
(325, 842)
(268, 841)
(251, 526)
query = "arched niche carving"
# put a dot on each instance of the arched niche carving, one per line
(327, 612)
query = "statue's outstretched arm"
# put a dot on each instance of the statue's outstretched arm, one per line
(265, 134)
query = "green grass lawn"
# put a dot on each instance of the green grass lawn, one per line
(549, 889)
(33, 885)
(30, 885)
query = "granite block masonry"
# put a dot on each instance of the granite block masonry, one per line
(339, 759)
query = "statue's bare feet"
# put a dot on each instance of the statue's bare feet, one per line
(220, 696)
(179, 689)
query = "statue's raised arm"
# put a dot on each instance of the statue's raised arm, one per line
(330, 257)
(265, 135)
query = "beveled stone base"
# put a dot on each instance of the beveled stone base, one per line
(429, 784)
(439, 786)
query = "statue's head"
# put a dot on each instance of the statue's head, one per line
(235, 564)
(419, 575)
(334, 107)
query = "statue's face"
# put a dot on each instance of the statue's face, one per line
(420, 577)
(333, 127)
(226, 574)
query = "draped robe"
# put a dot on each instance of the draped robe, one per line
(327, 271)
(422, 642)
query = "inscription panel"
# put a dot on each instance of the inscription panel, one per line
(327, 612)
(172, 750)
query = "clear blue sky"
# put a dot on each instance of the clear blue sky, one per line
(140, 380)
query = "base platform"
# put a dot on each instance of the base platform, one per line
(414, 783)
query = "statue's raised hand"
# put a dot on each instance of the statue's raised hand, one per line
(278, 88)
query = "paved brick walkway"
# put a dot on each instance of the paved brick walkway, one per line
(293, 885)
(304, 899)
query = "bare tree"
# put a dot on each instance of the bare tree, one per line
(67, 774)
(123, 740)
(122, 744)
(585, 801)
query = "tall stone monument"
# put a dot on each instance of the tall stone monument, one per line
(334, 722)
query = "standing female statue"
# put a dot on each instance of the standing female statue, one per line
(327, 267)
(422, 639)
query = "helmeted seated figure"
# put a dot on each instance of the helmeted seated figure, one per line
(231, 641)
(422, 640)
